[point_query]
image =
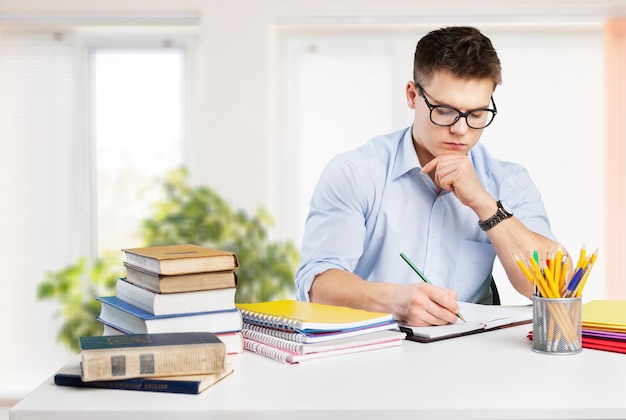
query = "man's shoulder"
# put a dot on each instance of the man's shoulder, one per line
(381, 148)
(504, 179)
(484, 162)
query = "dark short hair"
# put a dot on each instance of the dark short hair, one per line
(463, 51)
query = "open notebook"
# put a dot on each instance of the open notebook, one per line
(479, 318)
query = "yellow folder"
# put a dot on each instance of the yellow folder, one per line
(608, 315)
(293, 314)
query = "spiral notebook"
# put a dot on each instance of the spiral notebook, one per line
(309, 317)
(319, 336)
(352, 342)
(369, 343)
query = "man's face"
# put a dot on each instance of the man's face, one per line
(446, 89)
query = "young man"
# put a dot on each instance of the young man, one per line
(430, 191)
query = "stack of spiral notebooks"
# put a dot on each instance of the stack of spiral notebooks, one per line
(292, 331)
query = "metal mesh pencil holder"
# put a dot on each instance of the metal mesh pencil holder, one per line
(557, 325)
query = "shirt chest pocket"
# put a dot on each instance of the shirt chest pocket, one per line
(474, 265)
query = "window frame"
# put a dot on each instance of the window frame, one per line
(132, 38)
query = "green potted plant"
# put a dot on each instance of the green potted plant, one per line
(186, 215)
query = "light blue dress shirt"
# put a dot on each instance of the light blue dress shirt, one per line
(373, 203)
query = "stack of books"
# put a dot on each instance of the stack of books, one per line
(176, 288)
(168, 362)
(292, 331)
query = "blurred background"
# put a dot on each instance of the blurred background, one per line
(101, 101)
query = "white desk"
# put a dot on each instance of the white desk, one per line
(494, 375)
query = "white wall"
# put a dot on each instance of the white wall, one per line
(238, 141)
(238, 138)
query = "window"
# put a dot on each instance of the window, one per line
(137, 127)
(88, 119)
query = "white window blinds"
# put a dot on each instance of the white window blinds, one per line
(39, 208)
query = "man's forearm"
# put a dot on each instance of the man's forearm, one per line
(510, 239)
(339, 287)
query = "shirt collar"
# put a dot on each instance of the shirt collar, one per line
(406, 157)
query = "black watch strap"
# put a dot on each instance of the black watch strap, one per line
(500, 215)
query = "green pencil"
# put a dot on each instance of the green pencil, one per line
(423, 277)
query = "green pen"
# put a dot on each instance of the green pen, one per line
(423, 277)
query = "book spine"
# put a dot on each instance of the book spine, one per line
(285, 335)
(267, 351)
(127, 363)
(138, 384)
(272, 341)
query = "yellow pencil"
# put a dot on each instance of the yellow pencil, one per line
(563, 282)
(547, 291)
(579, 289)
(557, 268)
(581, 257)
(521, 265)
(550, 279)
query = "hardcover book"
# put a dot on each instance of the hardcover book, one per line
(147, 355)
(175, 283)
(69, 375)
(181, 259)
(309, 316)
(232, 340)
(175, 303)
(122, 315)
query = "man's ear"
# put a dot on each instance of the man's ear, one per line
(411, 94)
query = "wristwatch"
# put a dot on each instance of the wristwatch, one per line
(500, 215)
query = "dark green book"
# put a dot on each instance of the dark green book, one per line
(192, 384)
(117, 357)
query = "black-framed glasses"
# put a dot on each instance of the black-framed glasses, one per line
(446, 116)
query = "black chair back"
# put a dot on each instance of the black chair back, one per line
(494, 292)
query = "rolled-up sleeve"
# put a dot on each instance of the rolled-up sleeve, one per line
(335, 227)
(523, 199)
